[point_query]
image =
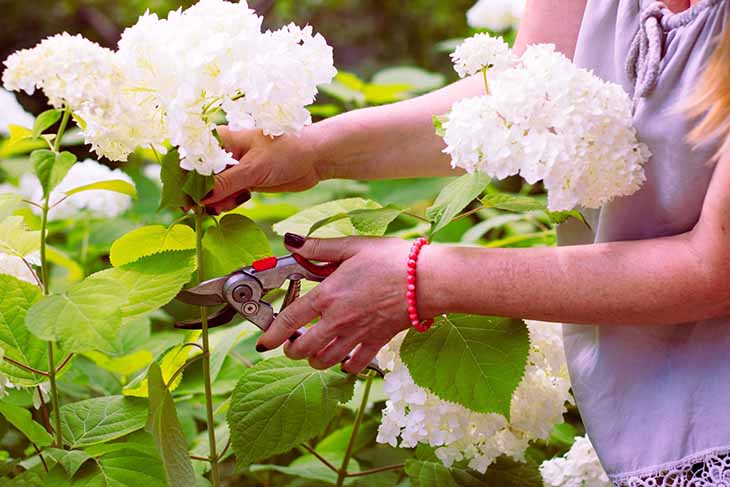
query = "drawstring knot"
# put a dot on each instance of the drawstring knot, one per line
(646, 51)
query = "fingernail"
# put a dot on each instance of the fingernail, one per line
(242, 198)
(294, 240)
(261, 348)
(211, 211)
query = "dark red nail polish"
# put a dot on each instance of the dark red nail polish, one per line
(261, 348)
(293, 240)
(242, 198)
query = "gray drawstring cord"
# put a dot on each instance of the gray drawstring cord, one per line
(646, 51)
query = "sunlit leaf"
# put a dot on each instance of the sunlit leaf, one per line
(173, 179)
(149, 240)
(114, 185)
(45, 120)
(16, 239)
(475, 361)
(416, 79)
(9, 202)
(85, 317)
(366, 222)
(197, 186)
(70, 461)
(280, 403)
(303, 221)
(504, 473)
(167, 432)
(101, 419)
(522, 204)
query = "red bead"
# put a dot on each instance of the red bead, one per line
(413, 317)
(412, 309)
(411, 287)
(412, 263)
(411, 295)
(412, 272)
(415, 323)
(411, 279)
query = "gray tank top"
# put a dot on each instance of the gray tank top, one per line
(655, 399)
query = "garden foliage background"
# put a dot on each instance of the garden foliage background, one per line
(373, 40)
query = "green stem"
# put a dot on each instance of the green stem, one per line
(486, 83)
(342, 473)
(44, 279)
(215, 475)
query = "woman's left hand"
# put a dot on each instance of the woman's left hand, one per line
(361, 306)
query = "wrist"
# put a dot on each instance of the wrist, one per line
(317, 147)
(434, 292)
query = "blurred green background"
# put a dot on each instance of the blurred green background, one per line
(367, 34)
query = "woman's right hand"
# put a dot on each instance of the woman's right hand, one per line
(272, 165)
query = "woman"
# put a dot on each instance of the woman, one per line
(649, 291)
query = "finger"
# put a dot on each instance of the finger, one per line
(236, 142)
(334, 353)
(315, 339)
(299, 313)
(361, 358)
(234, 180)
(230, 203)
(325, 250)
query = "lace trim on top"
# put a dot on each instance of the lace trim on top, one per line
(706, 469)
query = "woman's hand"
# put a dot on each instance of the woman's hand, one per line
(271, 165)
(361, 305)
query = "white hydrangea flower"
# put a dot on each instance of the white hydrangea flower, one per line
(413, 415)
(496, 15)
(70, 70)
(11, 113)
(548, 120)
(579, 467)
(99, 203)
(482, 51)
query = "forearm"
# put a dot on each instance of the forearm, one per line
(657, 281)
(390, 141)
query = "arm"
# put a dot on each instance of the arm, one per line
(658, 281)
(391, 141)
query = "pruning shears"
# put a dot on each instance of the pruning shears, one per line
(242, 292)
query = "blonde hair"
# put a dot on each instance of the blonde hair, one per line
(711, 100)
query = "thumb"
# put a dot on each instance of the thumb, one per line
(324, 250)
(236, 142)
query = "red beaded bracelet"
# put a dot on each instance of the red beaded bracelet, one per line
(420, 326)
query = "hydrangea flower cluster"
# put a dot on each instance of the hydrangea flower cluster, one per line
(496, 15)
(98, 203)
(414, 415)
(11, 113)
(480, 52)
(579, 467)
(170, 79)
(548, 120)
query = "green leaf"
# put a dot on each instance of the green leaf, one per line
(367, 222)
(171, 361)
(197, 186)
(168, 434)
(16, 239)
(234, 243)
(9, 202)
(438, 124)
(115, 185)
(51, 167)
(45, 120)
(475, 361)
(418, 80)
(304, 220)
(21, 141)
(150, 282)
(504, 473)
(85, 317)
(455, 197)
(101, 419)
(279, 403)
(23, 422)
(70, 461)
(150, 240)
(15, 338)
(522, 204)
(309, 467)
(173, 179)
